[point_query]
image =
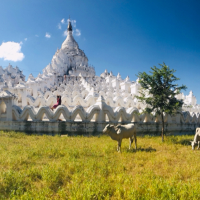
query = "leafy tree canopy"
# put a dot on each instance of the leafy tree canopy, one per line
(158, 90)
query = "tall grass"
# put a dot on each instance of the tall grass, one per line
(46, 167)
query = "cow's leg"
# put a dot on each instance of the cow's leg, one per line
(135, 137)
(198, 144)
(119, 146)
(131, 141)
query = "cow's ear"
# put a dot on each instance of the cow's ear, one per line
(119, 131)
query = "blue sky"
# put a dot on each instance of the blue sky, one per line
(118, 35)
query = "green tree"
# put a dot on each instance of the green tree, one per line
(158, 91)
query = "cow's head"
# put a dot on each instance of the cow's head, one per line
(193, 144)
(107, 128)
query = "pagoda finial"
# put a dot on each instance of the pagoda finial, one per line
(69, 28)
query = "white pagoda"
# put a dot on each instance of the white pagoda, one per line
(70, 76)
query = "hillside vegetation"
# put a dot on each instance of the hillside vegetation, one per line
(54, 167)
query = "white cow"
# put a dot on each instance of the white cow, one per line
(196, 139)
(121, 131)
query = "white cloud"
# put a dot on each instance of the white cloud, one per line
(65, 33)
(36, 35)
(25, 39)
(63, 21)
(77, 32)
(11, 51)
(48, 35)
(59, 26)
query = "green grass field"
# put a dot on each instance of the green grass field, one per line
(54, 167)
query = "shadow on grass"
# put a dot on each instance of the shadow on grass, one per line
(184, 141)
(149, 149)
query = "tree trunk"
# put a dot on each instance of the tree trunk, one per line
(163, 125)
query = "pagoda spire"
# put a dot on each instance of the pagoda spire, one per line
(69, 28)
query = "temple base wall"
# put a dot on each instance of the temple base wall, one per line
(92, 128)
